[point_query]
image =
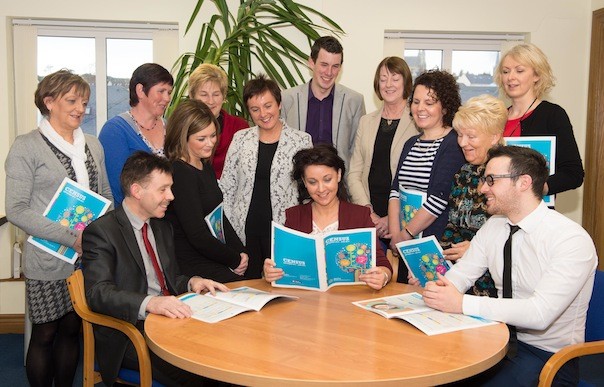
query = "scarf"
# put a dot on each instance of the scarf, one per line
(76, 151)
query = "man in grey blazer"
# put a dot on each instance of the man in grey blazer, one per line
(120, 275)
(330, 113)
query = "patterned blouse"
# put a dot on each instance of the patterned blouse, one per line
(467, 213)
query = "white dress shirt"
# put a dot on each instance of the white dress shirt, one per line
(553, 265)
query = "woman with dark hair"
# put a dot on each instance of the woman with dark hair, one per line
(36, 165)
(140, 128)
(256, 180)
(324, 207)
(379, 141)
(429, 160)
(190, 142)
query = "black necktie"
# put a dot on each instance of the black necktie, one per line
(507, 287)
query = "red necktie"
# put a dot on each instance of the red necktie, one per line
(158, 272)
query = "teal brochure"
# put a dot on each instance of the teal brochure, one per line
(318, 262)
(424, 258)
(215, 223)
(546, 145)
(410, 201)
(75, 207)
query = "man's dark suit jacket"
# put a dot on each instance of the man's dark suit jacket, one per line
(349, 216)
(115, 279)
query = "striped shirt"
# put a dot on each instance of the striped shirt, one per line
(416, 170)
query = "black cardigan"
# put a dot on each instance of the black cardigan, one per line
(549, 119)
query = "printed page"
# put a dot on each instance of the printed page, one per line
(424, 258)
(349, 253)
(296, 253)
(214, 220)
(546, 145)
(436, 322)
(410, 202)
(247, 297)
(398, 305)
(210, 309)
(72, 206)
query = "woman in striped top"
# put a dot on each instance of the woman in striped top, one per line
(428, 161)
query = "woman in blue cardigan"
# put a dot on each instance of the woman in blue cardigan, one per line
(429, 160)
(140, 128)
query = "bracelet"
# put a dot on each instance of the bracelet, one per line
(387, 278)
(409, 232)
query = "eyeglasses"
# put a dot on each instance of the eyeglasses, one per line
(490, 179)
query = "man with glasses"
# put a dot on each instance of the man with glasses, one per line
(542, 264)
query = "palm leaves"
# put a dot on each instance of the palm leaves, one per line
(254, 34)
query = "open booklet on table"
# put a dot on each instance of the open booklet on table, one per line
(224, 305)
(318, 262)
(411, 308)
(424, 258)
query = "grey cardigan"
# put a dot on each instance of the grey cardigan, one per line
(33, 175)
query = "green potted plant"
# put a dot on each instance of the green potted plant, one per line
(233, 41)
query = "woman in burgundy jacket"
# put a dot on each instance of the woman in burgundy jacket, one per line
(325, 207)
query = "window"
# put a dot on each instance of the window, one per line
(471, 58)
(104, 54)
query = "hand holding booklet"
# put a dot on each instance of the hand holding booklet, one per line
(411, 308)
(318, 262)
(424, 258)
(224, 305)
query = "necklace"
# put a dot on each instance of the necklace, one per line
(139, 125)
(397, 115)
(430, 147)
(522, 118)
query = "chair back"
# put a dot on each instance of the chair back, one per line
(594, 326)
(75, 284)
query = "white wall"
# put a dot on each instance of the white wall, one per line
(561, 28)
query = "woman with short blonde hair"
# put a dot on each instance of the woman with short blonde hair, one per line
(208, 84)
(524, 74)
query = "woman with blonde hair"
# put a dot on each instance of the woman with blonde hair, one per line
(191, 140)
(479, 125)
(208, 84)
(525, 76)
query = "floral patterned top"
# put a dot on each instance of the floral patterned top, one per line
(467, 213)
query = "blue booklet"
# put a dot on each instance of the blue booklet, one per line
(410, 201)
(75, 207)
(318, 262)
(424, 258)
(215, 223)
(546, 145)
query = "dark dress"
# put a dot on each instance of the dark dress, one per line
(198, 252)
(260, 214)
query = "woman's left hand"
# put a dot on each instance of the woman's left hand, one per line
(375, 278)
(381, 226)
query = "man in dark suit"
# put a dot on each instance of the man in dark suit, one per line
(130, 268)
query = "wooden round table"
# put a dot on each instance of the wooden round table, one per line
(323, 339)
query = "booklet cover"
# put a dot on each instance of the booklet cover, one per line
(410, 201)
(411, 308)
(424, 258)
(214, 220)
(318, 262)
(546, 145)
(224, 305)
(72, 206)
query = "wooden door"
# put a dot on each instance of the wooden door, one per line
(593, 199)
